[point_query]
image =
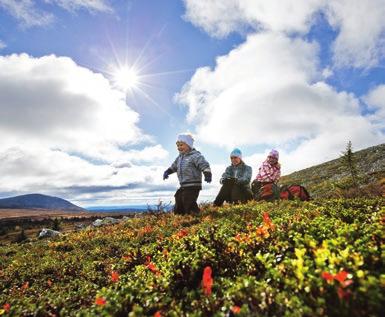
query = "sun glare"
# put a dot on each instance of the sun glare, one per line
(126, 78)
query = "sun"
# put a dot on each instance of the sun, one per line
(126, 78)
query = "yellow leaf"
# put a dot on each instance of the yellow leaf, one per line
(345, 253)
(358, 259)
(299, 252)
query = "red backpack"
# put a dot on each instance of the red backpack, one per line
(292, 192)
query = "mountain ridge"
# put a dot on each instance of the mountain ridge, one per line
(38, 201)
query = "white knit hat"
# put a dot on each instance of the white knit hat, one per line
(186, 138)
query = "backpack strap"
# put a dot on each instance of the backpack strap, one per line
(306, 193)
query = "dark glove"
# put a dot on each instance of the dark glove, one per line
(166, 173)
(229, 181)
(208, 177)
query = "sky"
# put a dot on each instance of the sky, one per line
(93, 93)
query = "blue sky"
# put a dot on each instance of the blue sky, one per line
(304, 77)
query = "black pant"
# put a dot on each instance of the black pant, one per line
(256, 188)
(186, 200)
(233, 193)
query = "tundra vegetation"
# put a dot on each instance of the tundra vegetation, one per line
(288, 258)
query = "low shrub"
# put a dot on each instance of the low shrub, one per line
(318, 258)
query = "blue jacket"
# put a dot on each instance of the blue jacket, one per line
(189, 167)
(241, 172)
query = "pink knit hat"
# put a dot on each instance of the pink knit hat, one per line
(274, 153)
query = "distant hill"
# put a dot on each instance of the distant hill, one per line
(131, 208)
(38, 201)
(323, 179)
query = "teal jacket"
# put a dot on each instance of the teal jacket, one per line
(241, 172)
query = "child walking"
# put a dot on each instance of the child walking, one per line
(189, 166)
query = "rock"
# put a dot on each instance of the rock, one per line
(47, 233)
(110, 220)
(97, 223)
(80, 226)
(105, 221)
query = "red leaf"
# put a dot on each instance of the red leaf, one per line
(127, 258)
(327, 276)
(100, 301)
(342, 294)
(266, 218)
(238, 237)
(262, 231)
(235, 309)
(346, 283)
(147, 229)
(152, 267)
(158, 314)
(207, 280)
(341, 276)
(267, 221)
(115, 276)
(7, 307)
(182, 233)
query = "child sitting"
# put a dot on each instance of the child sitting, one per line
(267, 178)
(236, 181)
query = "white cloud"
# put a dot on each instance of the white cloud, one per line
(91, 5)
(361, 25)
(358, 44)
(329, 144)
(262, 60)
(2, 45)
(221, 17)
(30, 168)
(52, 101)
(58, 173)
(26, 12)
(147, 154)
(376, 102)
(264, 84)
(269, 92)
(29, 14)
(63, 125)
(217, 17)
